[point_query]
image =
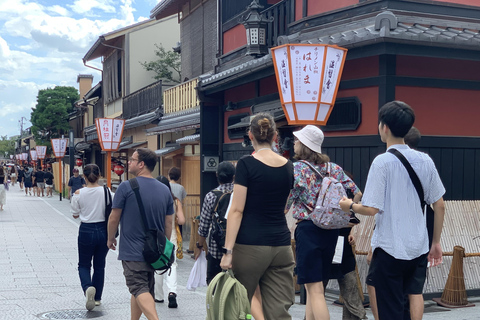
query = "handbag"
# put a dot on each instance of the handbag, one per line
(108, 206)
(158, 251)
(426, 208)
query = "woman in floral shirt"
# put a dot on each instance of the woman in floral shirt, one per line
(315, 247)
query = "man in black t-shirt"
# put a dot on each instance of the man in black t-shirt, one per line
(40, 180)
(49, 182)
(21, 174)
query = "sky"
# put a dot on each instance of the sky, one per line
(42, 44)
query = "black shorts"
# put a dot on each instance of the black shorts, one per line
(393, 279)
(314, 251)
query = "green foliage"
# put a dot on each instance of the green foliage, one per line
(164, 67)
(49, 118)
(7, 146)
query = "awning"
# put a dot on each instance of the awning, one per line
(82, 146)
(144, 119)
(170, 150)
(274, 108)
(189, 139)
(131, 145)
(178, 121)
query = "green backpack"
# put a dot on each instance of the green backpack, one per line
(227, 298)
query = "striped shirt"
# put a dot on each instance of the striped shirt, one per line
(400, 223)
(206, 216)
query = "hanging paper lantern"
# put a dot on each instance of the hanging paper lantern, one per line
(118, 169)
(79, 162)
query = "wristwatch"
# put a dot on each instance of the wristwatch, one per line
(227, 251)
(199, 246)
(351, 207)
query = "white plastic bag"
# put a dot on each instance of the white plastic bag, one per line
(198, 275)
(337, 258)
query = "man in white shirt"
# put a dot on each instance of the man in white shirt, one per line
(400, 239)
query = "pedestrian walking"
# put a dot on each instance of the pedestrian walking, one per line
(49, 182)
(34, 182)
(89, 205)
(158, 203)
(3, 193)
(258, 241)
(314, 247)
(40, 181)
(21, 175)
(27, 180)
(74, 183)
(170, 278)
(225, 175)
(13, 175)
(399, 265)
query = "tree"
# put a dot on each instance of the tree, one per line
(49, 118)
(164, 67)
(7, 146)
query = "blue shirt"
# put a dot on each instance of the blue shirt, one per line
(158, 203)
(400, 223)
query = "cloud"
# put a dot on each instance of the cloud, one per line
(87, 6)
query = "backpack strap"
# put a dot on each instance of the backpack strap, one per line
(136, 189)
(219, 194)
(313, 168)
(413, 176)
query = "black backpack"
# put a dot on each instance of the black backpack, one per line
(219, 223)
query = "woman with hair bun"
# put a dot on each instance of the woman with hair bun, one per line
(258, 241)
(89, 205)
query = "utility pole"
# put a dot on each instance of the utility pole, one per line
(21, 133)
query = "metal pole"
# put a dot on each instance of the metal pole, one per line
(71, 151)
(109, 169)
(61, 180)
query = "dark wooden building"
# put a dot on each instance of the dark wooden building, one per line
(426, 53)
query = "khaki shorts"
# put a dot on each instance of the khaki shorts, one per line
(41, 185)
(139, 277)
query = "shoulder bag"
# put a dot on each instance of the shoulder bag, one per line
(158, 251)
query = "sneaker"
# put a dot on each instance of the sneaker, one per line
(172, 300)
(90, 294)
(159, 301)
(97, 303)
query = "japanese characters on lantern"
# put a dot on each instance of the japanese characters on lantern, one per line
(307, 77)
(59, 147)
(41, 151)
(109, 132)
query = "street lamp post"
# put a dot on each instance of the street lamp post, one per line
(59, 147)
(110, 132)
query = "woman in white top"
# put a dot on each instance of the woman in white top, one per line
(89, 205)
(170, 278)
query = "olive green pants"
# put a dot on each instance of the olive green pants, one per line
(272, 269)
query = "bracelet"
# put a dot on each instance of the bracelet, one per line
(199, 246)
(351, 207)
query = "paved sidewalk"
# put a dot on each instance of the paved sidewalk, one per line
(38, 263)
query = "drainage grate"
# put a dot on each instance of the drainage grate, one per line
(71, 314)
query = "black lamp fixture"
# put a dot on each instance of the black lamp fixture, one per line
(256, 26)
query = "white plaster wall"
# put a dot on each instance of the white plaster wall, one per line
(141, 48)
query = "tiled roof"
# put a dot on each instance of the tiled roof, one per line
(177, 121)
(189, 139)
(384, 27)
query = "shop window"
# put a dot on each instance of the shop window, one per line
(346, 115)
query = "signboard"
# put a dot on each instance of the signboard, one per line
(110, 132)
(59, 147)
(41, 152)
(210, 163)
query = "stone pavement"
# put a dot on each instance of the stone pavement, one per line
(39, 279)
